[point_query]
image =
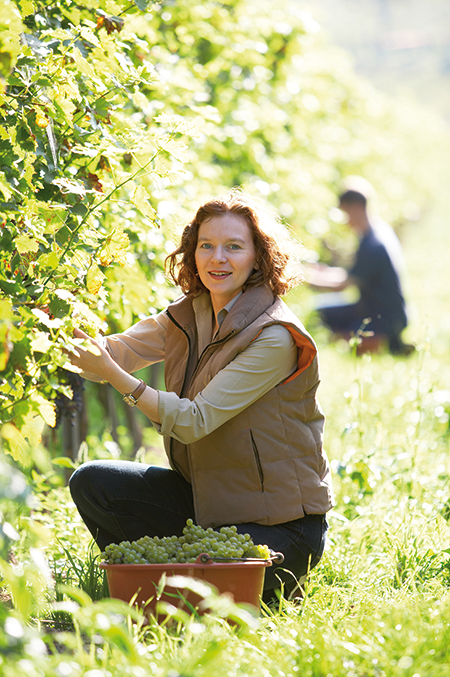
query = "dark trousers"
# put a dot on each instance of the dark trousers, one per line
(349, 318)
(124, 500)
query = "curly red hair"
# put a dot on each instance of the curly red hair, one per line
(276, 250)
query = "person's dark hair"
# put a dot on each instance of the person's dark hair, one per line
(276, 250)
(351, 197)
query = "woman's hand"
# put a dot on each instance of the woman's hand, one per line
(325, 278)
(96, 361)
(93, 360)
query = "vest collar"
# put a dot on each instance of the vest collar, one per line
(249, 306)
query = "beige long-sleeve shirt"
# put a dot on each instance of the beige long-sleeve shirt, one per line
(267, 361)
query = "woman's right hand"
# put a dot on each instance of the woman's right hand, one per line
(93, 360)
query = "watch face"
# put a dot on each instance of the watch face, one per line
(130, 400)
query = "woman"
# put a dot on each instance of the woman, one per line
(241, 424)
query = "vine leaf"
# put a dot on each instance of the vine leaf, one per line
(17, 447)
(94, 279)
(70, 186)
(142, 4)
(141, 200)
(114, 248)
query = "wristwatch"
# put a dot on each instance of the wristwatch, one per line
(132, 398)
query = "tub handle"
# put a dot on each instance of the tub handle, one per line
(275, 558)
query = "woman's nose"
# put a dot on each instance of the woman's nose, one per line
(219, 254)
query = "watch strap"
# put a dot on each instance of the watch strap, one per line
(132, 398)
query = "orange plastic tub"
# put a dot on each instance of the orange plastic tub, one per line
(244, 580)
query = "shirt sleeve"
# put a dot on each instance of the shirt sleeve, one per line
(266, 362)
(137, 347)
(140, 345)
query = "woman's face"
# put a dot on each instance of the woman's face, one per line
(225, 256)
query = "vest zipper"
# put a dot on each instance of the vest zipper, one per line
(213, 343)
(258, 461)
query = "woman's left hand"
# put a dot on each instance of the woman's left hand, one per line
(93, 360)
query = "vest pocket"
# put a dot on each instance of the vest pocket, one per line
(258, 461)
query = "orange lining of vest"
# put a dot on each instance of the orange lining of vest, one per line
(306, 354)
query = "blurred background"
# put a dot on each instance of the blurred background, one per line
(402, 46)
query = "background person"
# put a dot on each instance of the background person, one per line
(376, 273)
(241, 424)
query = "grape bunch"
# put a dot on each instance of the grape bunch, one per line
(65, 406)
(88, 326)
(223, 544)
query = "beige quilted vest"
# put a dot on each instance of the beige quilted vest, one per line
(266, 464)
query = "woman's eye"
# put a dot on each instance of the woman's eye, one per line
(234, 246)
(205, 245)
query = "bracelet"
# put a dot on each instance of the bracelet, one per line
(132, 398)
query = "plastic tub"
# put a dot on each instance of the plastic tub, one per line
(243, 580)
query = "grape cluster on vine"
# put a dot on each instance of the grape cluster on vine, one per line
(223, 544)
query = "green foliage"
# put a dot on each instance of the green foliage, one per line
(15, 494)
(80, 570)
(74, 139)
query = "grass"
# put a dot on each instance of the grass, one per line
(378, 604)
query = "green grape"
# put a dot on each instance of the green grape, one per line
(89, 327)
(225, 543)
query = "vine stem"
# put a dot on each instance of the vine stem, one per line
(102, 201)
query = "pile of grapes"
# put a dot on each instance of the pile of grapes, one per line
(223, 544)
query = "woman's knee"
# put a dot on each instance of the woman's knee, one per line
(84, 478)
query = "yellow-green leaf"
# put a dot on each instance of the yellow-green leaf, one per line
(40, 343)
(113, 7)
(70, 89)
(55, 215)
(115, 248)
(27, 7)
(17, 445)
(178, 150)
(32, 428)
(25, 244)
(140, 99)
(66, 106)
(4, 187)
(88, 35)
(48, 261)
(94, 279)
(70, 186)
(4, 355)
(46, 410)
(141, 200)
(11, 28)
(5, 309)
(84, 66)
(63, 462)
